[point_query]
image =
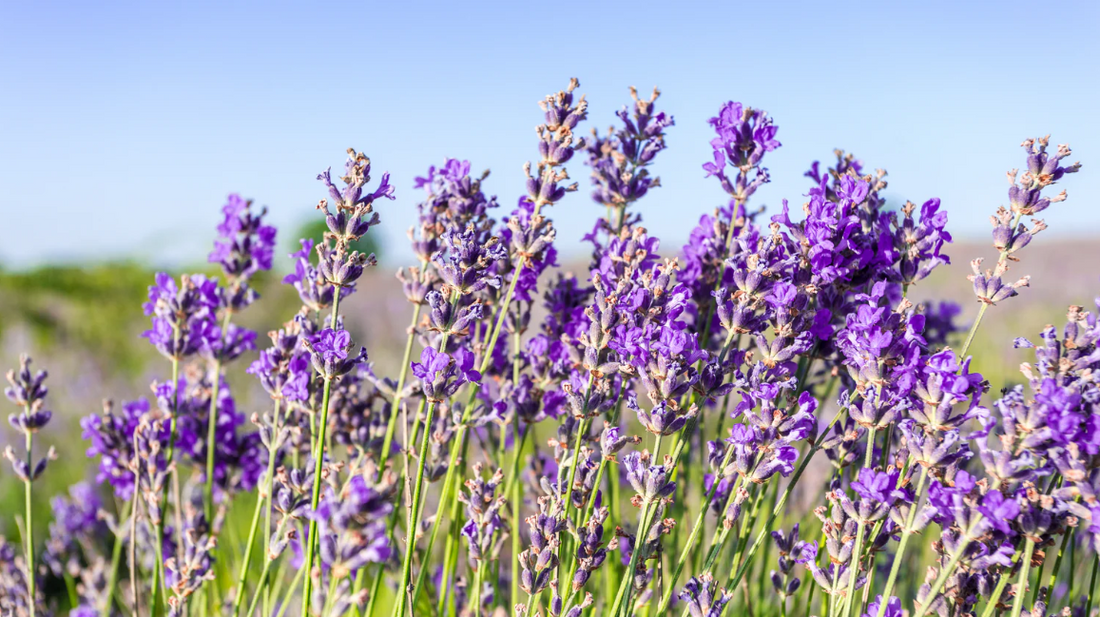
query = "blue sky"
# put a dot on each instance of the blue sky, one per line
(124, 125)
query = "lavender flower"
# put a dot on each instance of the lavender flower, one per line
(650, 481)
(745, 135)
(704, 597)
(441, 375)
(245, 246)
(893, 607)
(483, 522)
(540, 560)
(791, 551)
(329, 351)
(352, 525)
(27, 391)
(183, 315)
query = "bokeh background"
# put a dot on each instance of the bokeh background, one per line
(123, 126)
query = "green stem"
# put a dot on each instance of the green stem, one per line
(448, 564)
(1057, 564)
(779, 505)
(112, 576)
(479, 572)
(261, 499)
(1092, 584)
(895, 567)
(1021, 586)
(1072, 565)
(628, 577)
(945, 573)
(319, 445)
(32, 583)
(212, 425)
(414, 518)
(290, 592)
(516, 496)
(387, 443)
(696, 528)
(858, 550)
(973, 330)
(158, 569)
(991, 606)
(318, 467)
(532, 599)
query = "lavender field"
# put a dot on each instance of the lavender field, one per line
(821, 408)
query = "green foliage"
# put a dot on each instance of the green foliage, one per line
(96, 307)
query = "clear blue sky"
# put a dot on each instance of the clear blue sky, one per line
(124, 125)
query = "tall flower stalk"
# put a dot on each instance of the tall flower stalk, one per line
(621, 441)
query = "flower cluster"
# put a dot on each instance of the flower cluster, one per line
(539, 423)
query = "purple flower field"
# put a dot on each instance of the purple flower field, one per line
(781, 417)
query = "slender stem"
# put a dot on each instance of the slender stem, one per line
(857, 552)
(112, 575)
(1021, 586)
(319, 460)
(1092, 584)
(695, 530)
(507, 302)
(290, 592)
(945, 573)
(261, 500)
(158, 568)
(810, 597)
(448, 564)
(1057, 565)
(991, 606)
(414, 518)
(387, 443)
(782, 502)
(478, 574)
(628, 576)
(895, 567)
(516, 496)
(32, 583)
(133, 552)
(973, 330)
(319, 457)
(256, 597)
(212, 422)
(582, 428)
(212, 426)
(1072, 565)
(532, 599)
(747, 526)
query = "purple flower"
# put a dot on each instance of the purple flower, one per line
(441, 375)
(244, 246)
(878, 486)
(650, 481)
(314, 290)
(999, 511)
(183, 315)
(329, 352)
(484, 524)
(745, 135)
(893, 607)
(704, 598)
(352, 525)
(619, 160)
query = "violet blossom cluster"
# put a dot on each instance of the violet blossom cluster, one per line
(632, 438)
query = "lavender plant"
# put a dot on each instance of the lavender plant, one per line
(619, 443)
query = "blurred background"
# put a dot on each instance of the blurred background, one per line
(124, 126)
